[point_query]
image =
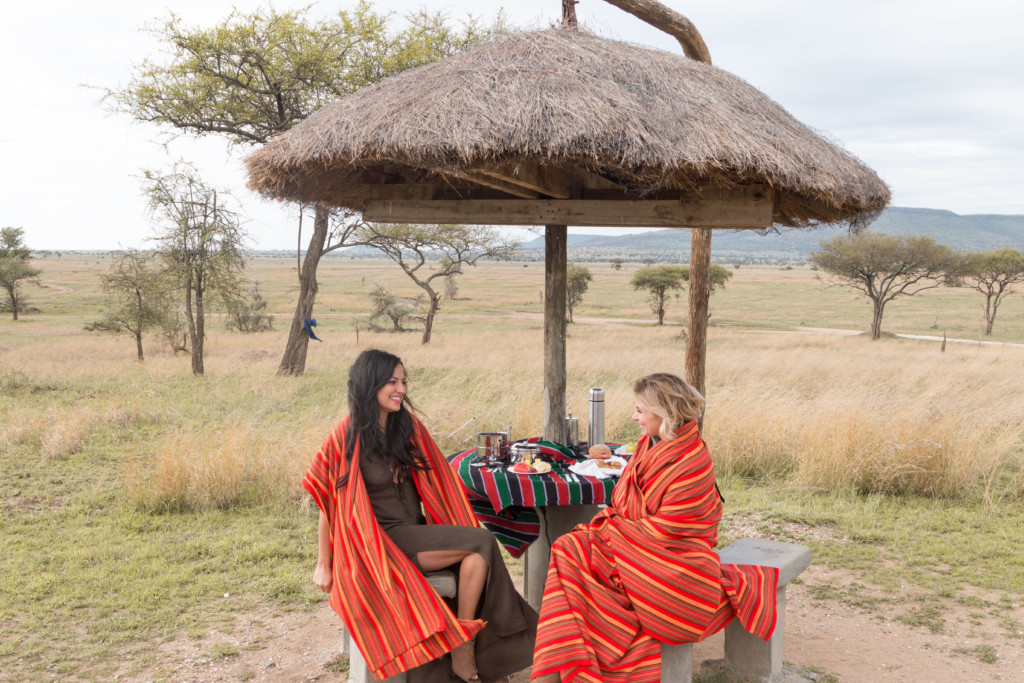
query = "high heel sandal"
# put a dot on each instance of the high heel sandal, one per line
(464, 661)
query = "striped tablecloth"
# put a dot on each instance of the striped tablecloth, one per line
(504, 501)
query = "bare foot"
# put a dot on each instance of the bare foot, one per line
(464, 661)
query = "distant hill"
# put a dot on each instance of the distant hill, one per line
(974, 232)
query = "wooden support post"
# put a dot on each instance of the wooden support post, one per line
(700, 290)
(678, 26)
(555, 266)
(569, 14)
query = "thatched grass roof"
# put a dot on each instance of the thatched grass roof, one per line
(648, 120)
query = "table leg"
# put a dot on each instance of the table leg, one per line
(555, 520)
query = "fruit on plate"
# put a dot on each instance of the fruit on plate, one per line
(599, 450)
(523, 468)
(630, 447)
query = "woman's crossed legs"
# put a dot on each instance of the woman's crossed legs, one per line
(473, 570)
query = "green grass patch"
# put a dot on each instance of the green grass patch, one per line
(984, 653)
(338, 665)
(222, 650)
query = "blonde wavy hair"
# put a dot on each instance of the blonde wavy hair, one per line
(669, 397)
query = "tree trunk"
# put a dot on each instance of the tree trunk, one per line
(138, 343)
(990, 314)
(555, 266)
(661, 308)
(200, 327)
(700, 287)
(191, 319)
(428, 325)
(14, 301)
(876, 320)
(294, 360)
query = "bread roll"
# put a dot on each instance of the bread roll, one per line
(599, 450)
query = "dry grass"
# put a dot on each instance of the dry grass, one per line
(65, 434)
(851, 414)
(218, 469)
(825, 413)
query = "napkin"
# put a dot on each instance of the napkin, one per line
(590, 468)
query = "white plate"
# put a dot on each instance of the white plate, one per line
(509, 469)
(621, 450)
(589, 468)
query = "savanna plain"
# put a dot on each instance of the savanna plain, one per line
(152, 522)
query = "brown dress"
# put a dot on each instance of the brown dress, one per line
(505, 646)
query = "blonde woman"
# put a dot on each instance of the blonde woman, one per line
(644, 571)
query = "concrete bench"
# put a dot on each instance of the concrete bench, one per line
(444, 583)
(746, 656)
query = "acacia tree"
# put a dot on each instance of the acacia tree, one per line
(254, 75)
(577, 281)
(993, 273)
(658, 281)
(15, 265)
(387, 304)
(454, 246)
(200, 245)
(883, 267)
(138, 298)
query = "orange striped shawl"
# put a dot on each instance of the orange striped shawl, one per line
(662, 528)
(395, 618)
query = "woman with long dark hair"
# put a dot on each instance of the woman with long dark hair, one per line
(391, 508)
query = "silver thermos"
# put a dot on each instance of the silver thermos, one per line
(595, 426)
(572, 431)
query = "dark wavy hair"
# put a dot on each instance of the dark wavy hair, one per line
(368, 375)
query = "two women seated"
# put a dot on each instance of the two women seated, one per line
(642, 572)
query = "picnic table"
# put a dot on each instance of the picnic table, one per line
(532, 510)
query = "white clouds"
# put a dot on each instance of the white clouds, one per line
(930, 94)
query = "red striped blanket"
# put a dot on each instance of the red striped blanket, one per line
(644, 571)
(394, 616)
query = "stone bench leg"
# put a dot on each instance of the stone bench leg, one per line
(677, 663)
(746, 655)
(555, 521)
(358, 672)
(750, 657)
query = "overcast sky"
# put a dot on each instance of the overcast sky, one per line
(929, 94)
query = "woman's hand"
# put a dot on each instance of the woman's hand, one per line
(323, 578)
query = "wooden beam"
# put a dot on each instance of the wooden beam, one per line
(688, 213)
(498, 183)
(552, 182)
(669, 21)
(399, 192)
